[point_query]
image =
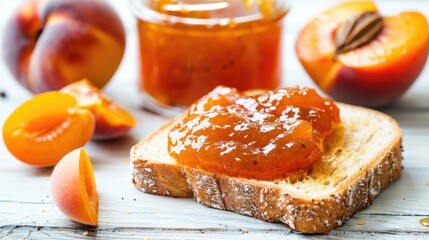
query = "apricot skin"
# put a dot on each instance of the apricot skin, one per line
(73, 188)
(105, 130)
(49, 44)
(111, 120)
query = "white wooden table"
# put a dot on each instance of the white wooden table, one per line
(27, 210)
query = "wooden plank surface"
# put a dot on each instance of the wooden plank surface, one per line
(27, 211)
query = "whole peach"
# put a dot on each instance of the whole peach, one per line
(51, 43)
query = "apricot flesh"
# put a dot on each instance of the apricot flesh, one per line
(375, 74)
(73, 188)
(111, 120)
(45, 128)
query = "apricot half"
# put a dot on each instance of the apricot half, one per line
(73, 188)
(45, 128)
(374, 74)
(111, 120)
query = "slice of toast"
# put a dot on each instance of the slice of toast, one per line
(361, 158)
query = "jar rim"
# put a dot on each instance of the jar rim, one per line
(144, 13)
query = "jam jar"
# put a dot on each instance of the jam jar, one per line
(188, 47)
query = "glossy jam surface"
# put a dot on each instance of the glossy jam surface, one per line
(181, 61)
(264, 136)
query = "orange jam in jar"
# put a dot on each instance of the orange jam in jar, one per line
(264, 136)
(188, 47)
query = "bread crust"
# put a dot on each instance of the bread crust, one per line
(157, 177)
(161, 179)
(268, 201)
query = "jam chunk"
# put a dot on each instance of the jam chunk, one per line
(264, 136)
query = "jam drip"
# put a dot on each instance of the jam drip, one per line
(264, 136)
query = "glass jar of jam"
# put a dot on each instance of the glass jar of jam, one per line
(188, 47)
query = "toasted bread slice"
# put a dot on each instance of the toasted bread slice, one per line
(361, 158)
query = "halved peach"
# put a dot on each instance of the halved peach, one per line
(111, 120)
(374, 74)
(45, 128)
(73, 188)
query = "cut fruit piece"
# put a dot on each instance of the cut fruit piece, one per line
(45, 128)
(111, 120)
(73, 188)
(374, 74)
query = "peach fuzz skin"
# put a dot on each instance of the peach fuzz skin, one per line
(373, 75)
(51, 43)
(111, 120)
(73, 188)
(46, 127)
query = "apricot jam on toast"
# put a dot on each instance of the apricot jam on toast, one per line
(264, 136)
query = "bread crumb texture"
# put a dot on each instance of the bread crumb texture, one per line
(361, 158)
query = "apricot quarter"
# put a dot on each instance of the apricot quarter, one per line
(45, 128)
(374, 74)
(50, 43)
(111, 120)
(73, 188)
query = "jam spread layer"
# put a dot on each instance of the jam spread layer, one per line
(264, 136)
